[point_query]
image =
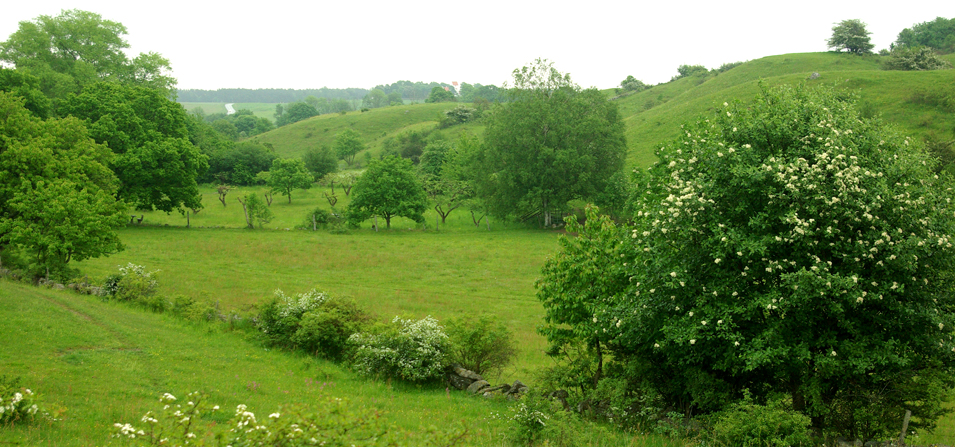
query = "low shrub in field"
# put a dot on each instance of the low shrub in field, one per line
(311, 321)
(324, 331)
(279, 317)
(749, 425)
(17, 404)
(415, 351)
(537, 419)
(132, 283)
(480, 344)
(330, 422)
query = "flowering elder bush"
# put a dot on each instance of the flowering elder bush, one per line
(788, 245)
(409, 350)
(132, 283)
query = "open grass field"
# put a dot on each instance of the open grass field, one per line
(102, 363)
(458, 269)
(260, 109)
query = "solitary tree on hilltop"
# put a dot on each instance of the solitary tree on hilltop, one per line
(852, 36)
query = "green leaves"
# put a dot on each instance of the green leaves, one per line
(388, 188)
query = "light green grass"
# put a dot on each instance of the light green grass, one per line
(374, 126)
(208, 108)
(457, 270)
(105, 363)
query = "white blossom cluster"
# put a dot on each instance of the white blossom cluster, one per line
(299, 304)
(16, 407)
(414, 352)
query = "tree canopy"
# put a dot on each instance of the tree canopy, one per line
(938, 34)
(77, 48)
(551, 143)
(852, 36)
(155, 161)
(347, 145)
(288, 174)
(388, 188)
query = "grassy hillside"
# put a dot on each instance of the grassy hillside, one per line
(905, 98)
(375, 126)
(105, 363)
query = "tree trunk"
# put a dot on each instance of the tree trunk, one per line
(245, 210)
(600, 365)
(314, 225)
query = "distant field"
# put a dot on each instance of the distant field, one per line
(264, 110)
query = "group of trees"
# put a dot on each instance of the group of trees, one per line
(87, 133)
(916, 48)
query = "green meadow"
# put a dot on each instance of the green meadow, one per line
(101, 362)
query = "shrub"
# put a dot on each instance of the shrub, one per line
(924, 58)
(749, 425)
(324, 331)
(410, 350)
(280, 316)
(132, 283)
(481, 345)
(322, 219)
(458, 115)
(17, 404)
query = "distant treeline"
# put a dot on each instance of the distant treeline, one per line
(268, 95)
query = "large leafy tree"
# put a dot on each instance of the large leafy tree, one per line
(77, 48)
(288, 174)
(852, 36)
(790, 245)
(388, 188)
(57, 199)
(155, 161)
(551, 143)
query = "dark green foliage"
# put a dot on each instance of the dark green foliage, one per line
(239, 164)
(155, 160)
(294, 112)
(409, 144)
(320, 161)
(433, 158)
(458, 115)
(852, 36)
(324, 331)
(483, 345)
(684, 71)
(26, 86)
(388, 188)
(938, 34)
(439, 94)
(912, 58)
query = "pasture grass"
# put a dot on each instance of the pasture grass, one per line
(102, 362)
(457, 270)
(208, 108)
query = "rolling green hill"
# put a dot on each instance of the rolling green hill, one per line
(375, 126)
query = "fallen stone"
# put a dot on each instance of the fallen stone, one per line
(478, 386)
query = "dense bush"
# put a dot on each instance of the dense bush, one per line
(415, 351)
(482, 344)
(311, 321)
(279, 317)
(458, 115)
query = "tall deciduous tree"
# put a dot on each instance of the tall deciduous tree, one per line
(852, 36)
(155, 161)
(57, 200)
(551, 143)
(77, 48)
(388, 188)
(288, 174)
(320, 161)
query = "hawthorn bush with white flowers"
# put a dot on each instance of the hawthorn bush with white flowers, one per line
(17, 404)
(410, 350)
(790, 246)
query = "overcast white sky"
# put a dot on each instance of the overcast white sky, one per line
(313, 44)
